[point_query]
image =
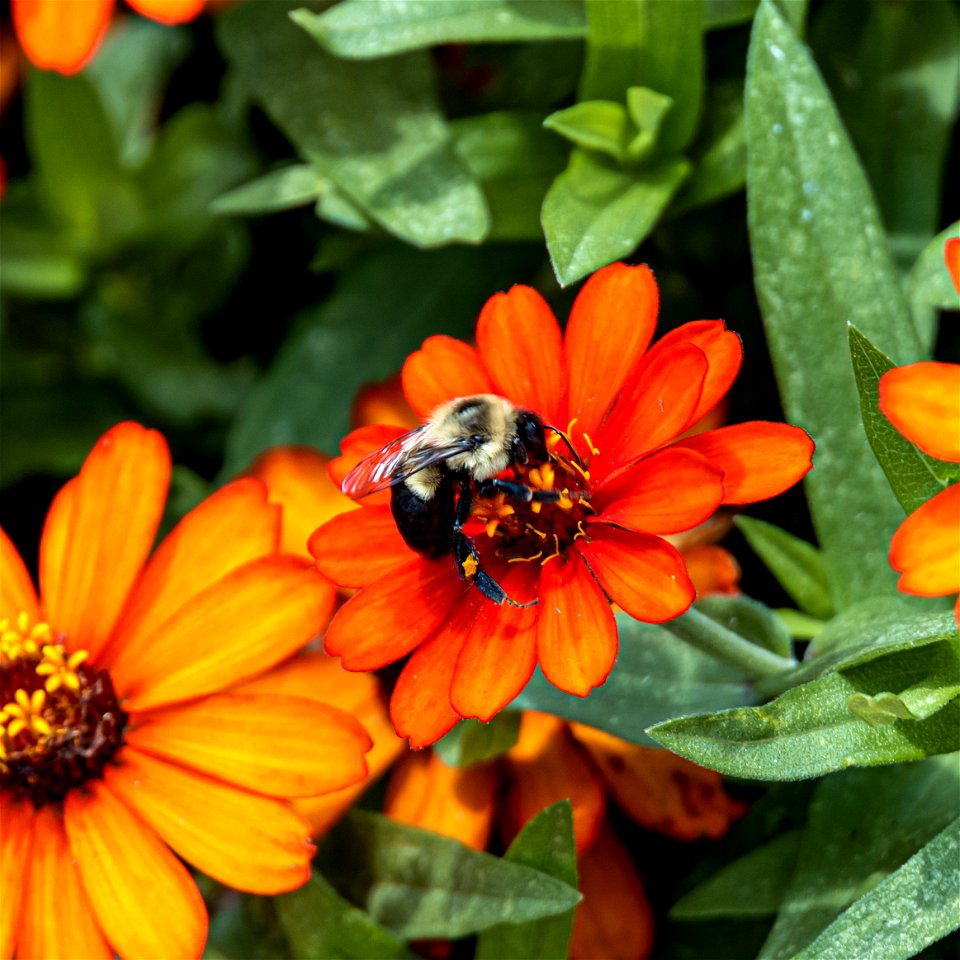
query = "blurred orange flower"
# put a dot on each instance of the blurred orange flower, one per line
(626, 409)
(551, 761)
(922, 400)
(63, 35)
(123, 731)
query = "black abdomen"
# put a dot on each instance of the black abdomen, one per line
(426, 525)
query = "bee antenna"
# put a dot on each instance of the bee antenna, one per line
(566, 440)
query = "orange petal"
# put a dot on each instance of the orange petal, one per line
(660, 790)
(614, 920)
(441, 370)
(499, 653)
(546, 767)
(922, 400)
(951, 256)
(144, 899)
(455, 802)
(16, 589)
(389, 618)
(359, 547)
(576, 630)
(115, 507)
(712, 569)
(383, 402)
(642, 574)
(656, 406)
(280, 746)
(521, 346)
(926, 547)
(671, 491)
(246, 622)
(57, 919)
(611, 325)
(420, 706)
(298, 480)
(230, 528)
(53, 540)
(16, 842)
(758, 459)
(61, 36)
(354, 447)
(243, 839)
(724, 353)
(168, 11)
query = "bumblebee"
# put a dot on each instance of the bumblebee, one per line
(435, 472)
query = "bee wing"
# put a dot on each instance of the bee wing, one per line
(396, 461)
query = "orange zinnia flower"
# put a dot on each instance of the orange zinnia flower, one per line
(63, 35)
(117, 734)
(625, 408)
(922, 400)
(551, 761)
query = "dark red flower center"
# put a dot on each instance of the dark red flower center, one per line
(60, 720)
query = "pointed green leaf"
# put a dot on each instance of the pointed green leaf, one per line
(545, 844)
(797, 564)
(319, 923)
(727, 13)
(799, 625)
(812, 730)
(753, 886)
(418, 884)
(894, 79)
(862, 826)
(601, 125)
(749, 619)
(375, 129)
(595, 213)
(364, 29)
(294, 185)
(821, 261)
(908, 910)
(656, 676)
(648, 43)
(471, 741)
(914, 476)
(929, 288)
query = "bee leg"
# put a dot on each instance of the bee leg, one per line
(518, 491)
(468, 558)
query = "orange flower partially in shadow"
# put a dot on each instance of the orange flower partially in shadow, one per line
(63, 35)
(636, 476)
(123, 731)
(922, 400)
(552, 761)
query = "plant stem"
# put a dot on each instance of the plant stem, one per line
(706, 634)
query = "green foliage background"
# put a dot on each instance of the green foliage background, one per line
(224, 230)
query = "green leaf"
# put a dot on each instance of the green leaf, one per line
(601, 125)
(820, 261)
(339, 346)
(656, 677)
(294, 185)
(648, 43)
(319, 923)
(799, 625)
(796, 564)
(472, 741)
(418, 884)
(893, 77)
(38, 262)
(753, 886)
(862, 826)
(914, 477)
(812, 730)
(595, 213)
(749, 619)
(515, 160)
(929, 288)
(364, 29)
(545, 844)
(375, 129)
(131, 71)
(908, 910)
(727, 13)
(647, 110)
(719, 153)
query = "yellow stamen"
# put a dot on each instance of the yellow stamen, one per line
(22, 640)
(556, 551)
(536, 556)
(491, 527)
(469, 567)
(25, 713)
(593, 449)
(59, 669)
(581, 533)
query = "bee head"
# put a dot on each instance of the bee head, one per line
(529, 445)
